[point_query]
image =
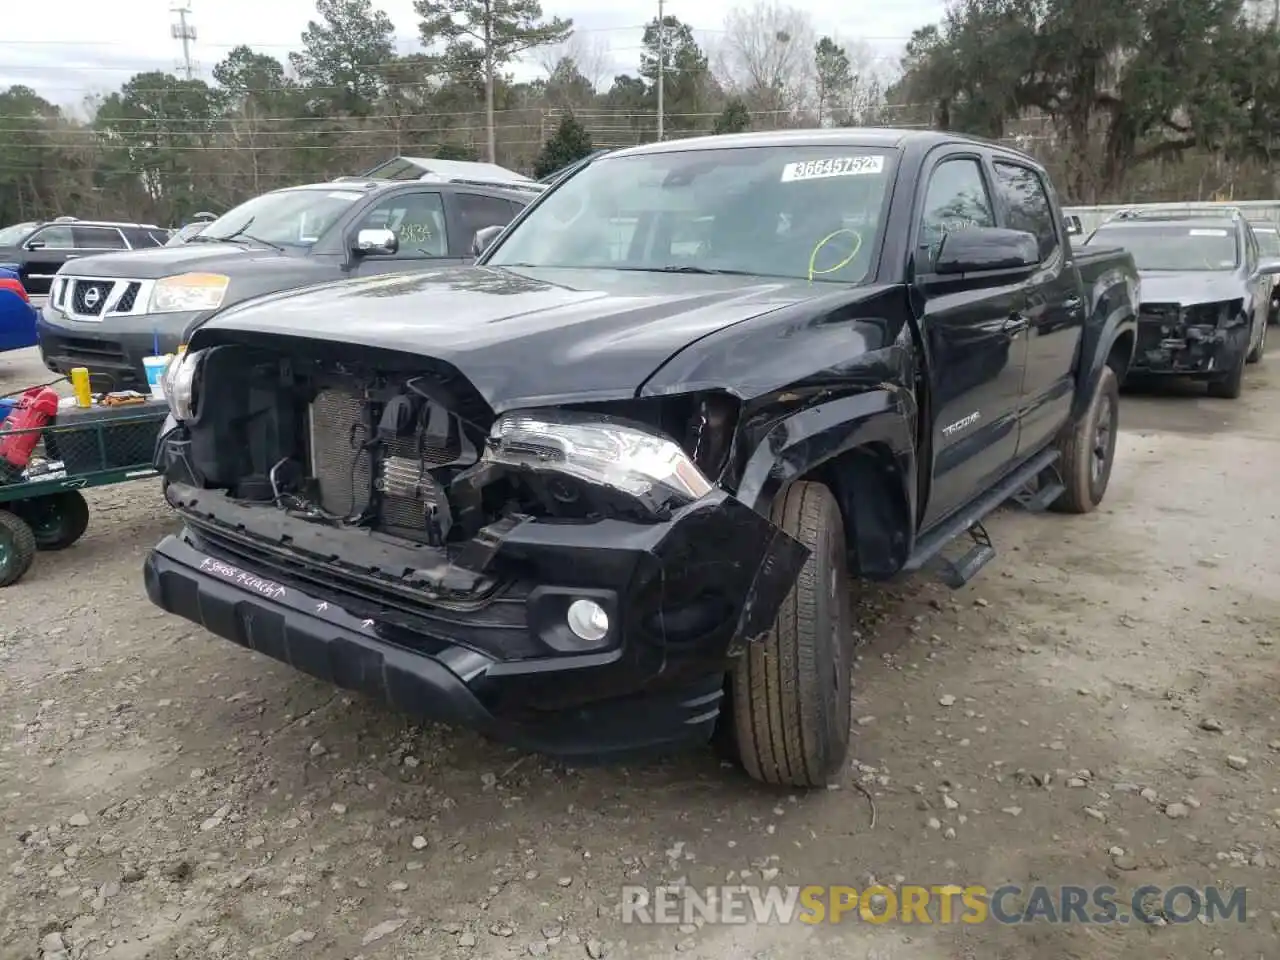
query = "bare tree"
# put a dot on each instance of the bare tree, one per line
(589, 52)
(766, 55)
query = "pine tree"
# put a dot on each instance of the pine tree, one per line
(734, 118)
(570, 142)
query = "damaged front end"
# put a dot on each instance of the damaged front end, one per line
(1188, 340)
(568, 579)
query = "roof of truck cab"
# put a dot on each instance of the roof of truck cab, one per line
(882, 137)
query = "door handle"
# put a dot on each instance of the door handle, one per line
(1016, 323)
(1072, 303)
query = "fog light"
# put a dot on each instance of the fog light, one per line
(588, 621)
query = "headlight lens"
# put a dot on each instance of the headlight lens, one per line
(179, 380)
(599, 450)
(188, 292)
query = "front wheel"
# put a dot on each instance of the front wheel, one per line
(1230, 385)
(1256, 353)
(1088, 449)
(790, 691)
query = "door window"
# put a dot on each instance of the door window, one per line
(98, 238)
(477, 212)
(57, 237)
(1028, 205)
(417, 220)
(956, 199)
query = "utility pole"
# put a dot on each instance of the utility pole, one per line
(186, 32)
(662, 58)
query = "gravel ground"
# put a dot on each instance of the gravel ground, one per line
(1098, 707)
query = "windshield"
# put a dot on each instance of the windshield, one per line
(12, 236)
(297, 217)
(1173, 247)
(804, 212)
(1268, 241)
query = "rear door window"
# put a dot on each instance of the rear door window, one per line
(98, 238)
(1027, 205)
(477, 211)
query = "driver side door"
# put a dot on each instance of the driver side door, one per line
(976, 341)
(417, 218)
(44, 252)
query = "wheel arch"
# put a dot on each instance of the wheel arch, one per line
(862, 448)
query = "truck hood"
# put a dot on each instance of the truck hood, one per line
(524, 337)
(156, 262)
(1190, 288)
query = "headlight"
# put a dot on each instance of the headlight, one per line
(179, 381)
(188, 292)
(598, 450)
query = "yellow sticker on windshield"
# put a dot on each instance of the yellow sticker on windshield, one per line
(832, 167)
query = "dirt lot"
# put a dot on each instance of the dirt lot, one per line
(166, 794)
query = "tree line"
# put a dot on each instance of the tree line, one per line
(1151, 99)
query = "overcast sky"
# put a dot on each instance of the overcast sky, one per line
(73, 48)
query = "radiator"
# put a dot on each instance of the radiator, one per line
(342, 470)
(398, 469)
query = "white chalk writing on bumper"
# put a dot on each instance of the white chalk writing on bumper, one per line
(268, 588)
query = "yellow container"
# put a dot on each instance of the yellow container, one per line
(80, 384)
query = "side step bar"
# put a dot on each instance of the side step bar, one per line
(969, 520)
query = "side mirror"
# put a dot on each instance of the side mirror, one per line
(484, 238)
(1269, 268)
(982, 249)
(35, 245)
(376, 243)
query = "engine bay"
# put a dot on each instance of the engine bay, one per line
(395, 444)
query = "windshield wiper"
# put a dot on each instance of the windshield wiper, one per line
(242, 235)
(686, 268)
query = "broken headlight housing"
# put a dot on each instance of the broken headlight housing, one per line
(179, 383)
(1209, 314)
(622, 456)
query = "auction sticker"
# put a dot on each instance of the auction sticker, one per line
(832, 167)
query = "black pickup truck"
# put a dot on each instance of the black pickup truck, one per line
(604, 490)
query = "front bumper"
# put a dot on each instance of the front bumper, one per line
(502, 663)
(1194, 350)
(113, 346)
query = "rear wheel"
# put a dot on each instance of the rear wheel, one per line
(790, 692)
(1089, 448)
(58, 520)
(17, 548)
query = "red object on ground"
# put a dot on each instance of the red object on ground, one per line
(36, 409)
(14, 286)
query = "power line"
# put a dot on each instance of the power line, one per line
(215, 126)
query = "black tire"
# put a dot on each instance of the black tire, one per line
(790, 692)
(57, 520)
(1256, 353)
(1230, 386)
(17, 548)
(1088, 449)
